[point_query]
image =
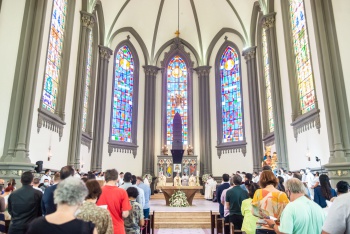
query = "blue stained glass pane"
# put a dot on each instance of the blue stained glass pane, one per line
(231, 100)
(177, 97)
(123, 95)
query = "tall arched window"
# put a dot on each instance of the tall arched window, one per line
(87, 84)
(230, 121)
(123, 132)
(302, 59)
(266, 70)
(54, 55)
(177, 97)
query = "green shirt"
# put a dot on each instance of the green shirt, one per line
(249, 221)
(302, 216)
(235, 196)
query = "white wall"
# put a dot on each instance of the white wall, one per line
(118, 160)
(230, 162)
(10, 31)
(341, 10)
(311, 139)
(41, 141)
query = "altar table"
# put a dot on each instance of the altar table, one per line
(190, 191)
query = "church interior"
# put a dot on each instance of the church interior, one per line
(96, 83)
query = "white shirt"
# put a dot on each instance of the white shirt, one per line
(44, 177)
(38, 189)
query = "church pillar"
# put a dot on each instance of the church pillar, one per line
(87, 22)
(333, 89)
(204, 120)
(100, 108)
(254, 106)
(15, 158)
(149, 119)
(268, 22)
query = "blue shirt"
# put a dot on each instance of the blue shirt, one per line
(320, 199)
(47, 204)
(147, 191)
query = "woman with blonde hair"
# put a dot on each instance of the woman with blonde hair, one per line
(268, 202)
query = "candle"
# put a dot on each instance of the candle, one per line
(197, 173)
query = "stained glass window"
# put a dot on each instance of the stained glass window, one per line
(54, 55)
(177, 97)
(267, 82)
(231, 100)
(302, 56)
(87, 84)
(123, 91)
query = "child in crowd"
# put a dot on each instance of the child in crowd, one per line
(135, 220)
(249, 221)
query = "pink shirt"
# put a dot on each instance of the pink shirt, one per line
(223, 200)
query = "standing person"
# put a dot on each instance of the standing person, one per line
(338, 218)
(47, 175)
(324, 191)
(47, 202)
(301, 215)
(45, 185)
(121, 179)
(116, 199)
(128, 183)
(280, 185)
(36, 184)
(90, 212)
(234, 198)
(342, 188)
(146, 181)
(208, 194)
(177, 180)
(184, 180)
(147, 190)
(24, 205)
(255, 177)
(315, 182)
(135, 220)
(247, 180)
(309, 182)
(249, 220)
(192, 180)
(268, 201)
(69, 195)
(225, 185)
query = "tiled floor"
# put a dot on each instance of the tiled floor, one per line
(182, 231)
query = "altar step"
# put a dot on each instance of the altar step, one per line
(161, 196)
(182, 219)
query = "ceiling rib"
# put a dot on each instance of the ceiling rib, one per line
(156, 29)
(198, 31)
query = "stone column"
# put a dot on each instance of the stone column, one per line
(149, 119)
(268, 22)
(15, 158)
(204, 120)
(100, 108)
(254, 106)
(87, 22)
(333, 89)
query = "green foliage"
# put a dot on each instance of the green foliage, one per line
(179, 199)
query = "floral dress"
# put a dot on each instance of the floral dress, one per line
(131, 223)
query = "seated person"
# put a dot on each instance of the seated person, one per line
(135, 220)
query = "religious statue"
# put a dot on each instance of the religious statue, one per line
(184, 180)
(189, 150)
(267, 157)
(210, 187)
(165, 150)
(178, 100)
(274, 161)
(161, 179)
(192, 180)
(193, 167)
(177, 180)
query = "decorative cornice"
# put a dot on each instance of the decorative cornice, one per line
(177, 45)
(50, 121)
(203, 71)
(87, 19)
(268, 21)
(151, 71)
(232, 148)
(123, 147)
(306, 121)
(86, 140)
(249, 53)
(105, 52)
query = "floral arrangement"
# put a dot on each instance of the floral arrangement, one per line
(149, 177)
(205, 177)
(179, 199)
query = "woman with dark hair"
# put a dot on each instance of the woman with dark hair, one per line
(324, 191)
(249, 221)
(91, 212)
(280, 185)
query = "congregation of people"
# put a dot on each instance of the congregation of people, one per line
(72, 202)
(284, 202)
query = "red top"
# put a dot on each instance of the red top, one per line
(117, 201)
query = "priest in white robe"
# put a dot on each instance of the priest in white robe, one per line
(210, 187)
(177, 180)
(192, 180)
(184, 180)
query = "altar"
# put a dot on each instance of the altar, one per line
(168, 191)
(169, 169)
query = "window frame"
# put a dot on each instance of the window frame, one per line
(225, 147)
(120, 146)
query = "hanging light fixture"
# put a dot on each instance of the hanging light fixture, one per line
(177, 33)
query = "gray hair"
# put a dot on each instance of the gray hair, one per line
(71, 191)
(295, 186)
